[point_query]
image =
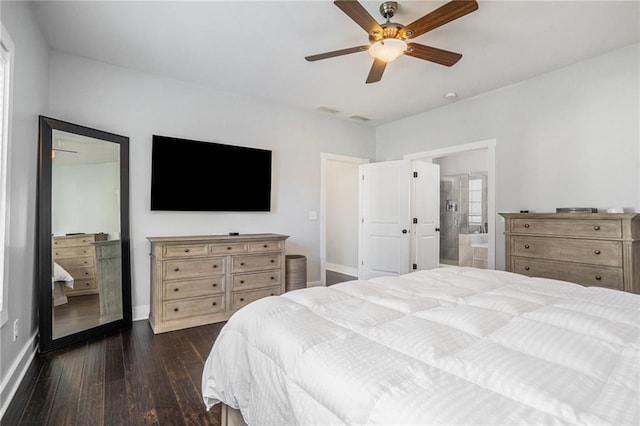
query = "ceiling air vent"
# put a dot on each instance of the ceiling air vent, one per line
(360, 118)
(327, 109)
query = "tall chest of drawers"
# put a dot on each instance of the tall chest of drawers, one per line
(205, 279)
(77, 255)
(592, 249)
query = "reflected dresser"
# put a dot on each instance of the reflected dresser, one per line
(77, 255)
(592, 249)
(201, 280)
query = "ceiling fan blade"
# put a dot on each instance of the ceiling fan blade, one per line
(336, 53)
(442, 15)
(376, 71)
(428, 53)
(359, 14)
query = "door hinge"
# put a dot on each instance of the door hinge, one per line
(415, 266)
(415, 220)
(362, 220)
(415, 174)
(362, 177)
(437, 229)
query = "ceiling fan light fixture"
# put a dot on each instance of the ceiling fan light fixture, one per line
(387, 49)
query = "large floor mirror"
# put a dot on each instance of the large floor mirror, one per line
(83, 233)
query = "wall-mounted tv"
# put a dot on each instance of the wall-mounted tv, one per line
(188, 175)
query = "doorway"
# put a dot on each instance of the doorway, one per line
(339, 217)
(467, 202)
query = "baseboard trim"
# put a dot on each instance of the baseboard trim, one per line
(347, 270)
(141, 312)
(16, 372)
(314, 284)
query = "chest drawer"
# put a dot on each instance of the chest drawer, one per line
(71, 241)
(178, 269)
(580, 228)
(64, 252)
(193, 288)
(256, 262)
(259, 246)
(82, 273)
(229, 248)
(75, 262)
(595, 252)
(82, 284)
(185, 251)
(242, 298)
(601, 276)
(257, 280)
(180, 309)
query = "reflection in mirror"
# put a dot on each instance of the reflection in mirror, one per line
(85, 227)
(83, 233)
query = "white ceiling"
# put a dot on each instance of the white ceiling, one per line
(257, 48)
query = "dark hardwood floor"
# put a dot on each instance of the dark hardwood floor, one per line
(132, 377)
(79, 313)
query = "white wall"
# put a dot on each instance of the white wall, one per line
(566, 138)
(30, 80)
(139, 105)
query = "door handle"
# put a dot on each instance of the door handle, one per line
(404, 231)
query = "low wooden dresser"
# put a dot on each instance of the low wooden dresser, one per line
(201, 280)
(77, 255)
(592, 249)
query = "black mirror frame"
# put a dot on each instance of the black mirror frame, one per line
(43, 232)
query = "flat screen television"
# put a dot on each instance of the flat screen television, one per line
(188, 175)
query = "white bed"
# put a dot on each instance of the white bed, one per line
(447, 346)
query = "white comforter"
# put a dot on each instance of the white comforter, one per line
(446, 346)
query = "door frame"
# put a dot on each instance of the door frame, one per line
(325, 158)
(490, 146)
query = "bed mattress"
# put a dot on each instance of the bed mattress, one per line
(446, 346)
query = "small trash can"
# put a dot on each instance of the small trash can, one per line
(295, 272)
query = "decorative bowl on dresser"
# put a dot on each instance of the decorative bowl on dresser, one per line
(592, 249)
(201, 280)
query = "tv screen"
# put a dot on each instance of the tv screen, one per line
(189, 175)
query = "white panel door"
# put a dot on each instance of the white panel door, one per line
(426, 215)
(384, 219)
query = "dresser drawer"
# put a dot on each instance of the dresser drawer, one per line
(177, 269)
(82, 273)
(189, 308)
(601, 276)
(581, 251)
(184, 251)
(559, 227)
(229, 248)
(256, 262)
(80, 285)
(242, 298)
(75, 262)
(71, 241)
(193, 288)
(61, 253)
(260, 246)
(261, 279)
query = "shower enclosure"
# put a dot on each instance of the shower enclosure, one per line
(463, 210)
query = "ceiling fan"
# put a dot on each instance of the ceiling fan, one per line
(388, 40)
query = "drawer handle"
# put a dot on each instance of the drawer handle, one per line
(273, 278)
(598, 277)
(272, 294)
(526, 268)
(86, 273)
(242, 299)
(272, 261)
(526, 246)
(228, 248)
(215, 285)
(176, 289)
(241, 263)
(597, 228)
(175, 309)
(596, 251)
(215, 266)
(87, 284)
(526, 225)
(187, 250)
(214, 303)
(176, 270)
(241, 281)
(265, 246)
